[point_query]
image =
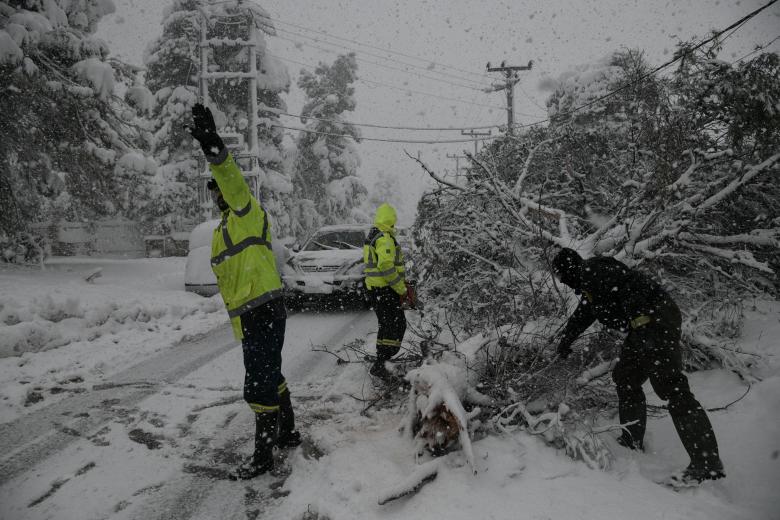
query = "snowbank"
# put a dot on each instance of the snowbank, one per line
(54, 325)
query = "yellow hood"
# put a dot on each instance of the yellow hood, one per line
(385, 218)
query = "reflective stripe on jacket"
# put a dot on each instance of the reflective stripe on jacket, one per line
(384, 262)
(241, 255)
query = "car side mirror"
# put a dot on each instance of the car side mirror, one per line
(296, 248)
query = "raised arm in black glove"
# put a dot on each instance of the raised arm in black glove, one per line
(205, 131)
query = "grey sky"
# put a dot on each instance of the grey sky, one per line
(464, 34)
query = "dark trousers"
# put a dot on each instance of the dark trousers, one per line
(262, 346)
(653, 351)
(391, 319)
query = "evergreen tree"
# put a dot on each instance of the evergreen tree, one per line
(386, 189)
(326, 168)
(66, 138)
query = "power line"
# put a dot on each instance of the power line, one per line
(654, 71)
(478, 85)
(397, 53)
(388, 127)
(758, 48)
(357, 139)
(390, 67)
(736, 25)
(395, 87)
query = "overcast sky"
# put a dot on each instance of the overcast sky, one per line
(455, 39)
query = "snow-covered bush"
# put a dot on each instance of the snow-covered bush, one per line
(668, 176)
(23, 248)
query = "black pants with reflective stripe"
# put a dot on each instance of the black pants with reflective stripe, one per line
(653, 352)
(392, 321)
(262, 346)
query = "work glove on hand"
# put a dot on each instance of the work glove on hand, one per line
(205, 131)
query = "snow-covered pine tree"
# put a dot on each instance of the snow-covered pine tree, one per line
(387, 188)
(327, 162)
(66, 137)
(173, 63)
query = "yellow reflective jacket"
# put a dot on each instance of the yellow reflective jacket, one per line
(241, 255)
(382, 256)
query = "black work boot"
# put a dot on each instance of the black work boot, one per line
(378, 370)
(289, 437)
(262, 460)
(695, 431)
(695, 474)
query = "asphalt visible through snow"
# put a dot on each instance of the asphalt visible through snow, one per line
(34, 441)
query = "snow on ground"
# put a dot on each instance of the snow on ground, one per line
(520, 477)
(152, 459)
(59, 333)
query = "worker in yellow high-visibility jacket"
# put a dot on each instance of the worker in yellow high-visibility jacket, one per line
(385, 279)
(243, 262)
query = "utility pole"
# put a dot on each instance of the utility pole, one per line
(472, 133)
(511, 78)
(233, 140)
(203, 84)
(457, 162)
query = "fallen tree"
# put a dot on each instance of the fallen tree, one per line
(667, 175)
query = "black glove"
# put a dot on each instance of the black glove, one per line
(205, 131)
(563, 350)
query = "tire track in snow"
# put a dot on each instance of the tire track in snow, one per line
(33, 437)
(196, 496)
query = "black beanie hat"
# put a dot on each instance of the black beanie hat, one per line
(567, 264)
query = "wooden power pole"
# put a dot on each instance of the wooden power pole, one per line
(511, 78)
(457, 162)
(472, 133)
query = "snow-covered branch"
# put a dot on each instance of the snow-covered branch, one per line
(737, 183)
(739, 257)
(524, 173)
(433, 174)
(759, 237)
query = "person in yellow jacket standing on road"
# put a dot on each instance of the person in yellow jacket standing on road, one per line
(386, 284)
(243, 262)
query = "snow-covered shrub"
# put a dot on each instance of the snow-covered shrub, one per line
(23, 248)
(561, 429)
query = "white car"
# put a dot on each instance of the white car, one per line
(329, 263)
(198, 276)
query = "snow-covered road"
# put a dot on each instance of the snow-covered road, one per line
(122, 448)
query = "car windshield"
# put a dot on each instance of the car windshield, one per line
(336, 240)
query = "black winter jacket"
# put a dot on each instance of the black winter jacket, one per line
(614, 294)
